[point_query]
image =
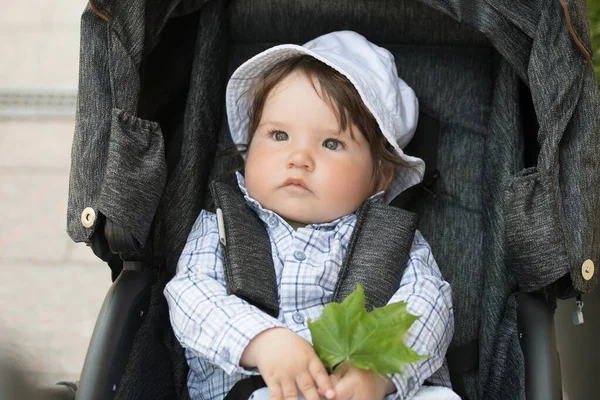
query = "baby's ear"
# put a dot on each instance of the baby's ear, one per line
(385, 177)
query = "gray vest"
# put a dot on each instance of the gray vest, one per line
(376, 257)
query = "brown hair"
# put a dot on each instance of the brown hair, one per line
(339, 93)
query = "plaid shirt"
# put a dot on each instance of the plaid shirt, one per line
(215, 327)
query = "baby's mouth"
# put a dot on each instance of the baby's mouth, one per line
(293, 182)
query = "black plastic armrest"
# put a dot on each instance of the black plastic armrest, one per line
(535, 320)
(122, 313)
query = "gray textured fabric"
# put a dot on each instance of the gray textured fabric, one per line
(498, 224)
(506, 379)
(157, 367)
(135, 146)
(453, 221)
(382, 21)
(247, 258)
(376, 257)
(547, 206)
(377, 254)
(92, 127)
(502, 154)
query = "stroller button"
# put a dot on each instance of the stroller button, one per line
(88, 216)
(587, 270)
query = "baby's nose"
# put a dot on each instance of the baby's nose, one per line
(301, 158)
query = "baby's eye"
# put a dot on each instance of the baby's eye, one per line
(333, 144)
(279, 136)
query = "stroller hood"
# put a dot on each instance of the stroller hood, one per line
(550, 209)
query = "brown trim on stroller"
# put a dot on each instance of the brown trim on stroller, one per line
(586, 53)
(97, 11)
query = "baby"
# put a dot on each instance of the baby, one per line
(324, 126)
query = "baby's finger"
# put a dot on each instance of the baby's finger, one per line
(289, 389)
(343, 390)
(341, 369)
(307, 387)
(334, 379)
(321, 377)
(275, 392)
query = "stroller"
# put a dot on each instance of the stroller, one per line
(509, 130)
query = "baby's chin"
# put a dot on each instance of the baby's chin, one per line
(307, 217)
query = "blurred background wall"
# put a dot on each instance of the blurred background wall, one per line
(50, 288)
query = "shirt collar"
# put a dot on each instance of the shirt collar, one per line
(264, 214)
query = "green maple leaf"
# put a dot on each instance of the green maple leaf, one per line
(370, 340)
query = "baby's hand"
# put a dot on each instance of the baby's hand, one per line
(288, 363)
(352, 383)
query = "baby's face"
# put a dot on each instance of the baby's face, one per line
(299, 164)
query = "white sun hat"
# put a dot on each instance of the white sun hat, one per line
(372, 71)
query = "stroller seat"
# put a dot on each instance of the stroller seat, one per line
(500, 206)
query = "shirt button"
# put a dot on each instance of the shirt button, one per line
(299, 255)
(298, 317)
(273, 221)
(410, 384)
(225, 354)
